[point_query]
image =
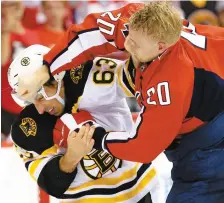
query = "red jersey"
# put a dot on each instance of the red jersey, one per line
(177, 91)
(99, 34)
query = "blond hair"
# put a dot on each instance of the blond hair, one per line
(160, 20)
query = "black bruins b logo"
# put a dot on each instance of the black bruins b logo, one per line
(76, 73)
(25, 61)
(98, 163)
(28, 126)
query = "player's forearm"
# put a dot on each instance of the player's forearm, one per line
(85, 41)
(148, 139)
(68, 164)
(53, 180)
(72, 49)
(60, 50)
(123, 145)
(133, 150)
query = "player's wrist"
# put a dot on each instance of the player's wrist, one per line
(68, 163)
(72, 157)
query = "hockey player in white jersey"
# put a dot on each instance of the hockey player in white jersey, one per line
(99, 87)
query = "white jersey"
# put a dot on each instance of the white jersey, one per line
(100, 177)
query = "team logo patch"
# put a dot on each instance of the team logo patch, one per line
(76, 73)
(28, 126)
(25, 61)
(98, 164)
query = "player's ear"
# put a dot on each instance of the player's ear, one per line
(162, 46)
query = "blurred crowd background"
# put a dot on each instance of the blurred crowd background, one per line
(24, 23)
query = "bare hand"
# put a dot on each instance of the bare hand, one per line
(81, 143)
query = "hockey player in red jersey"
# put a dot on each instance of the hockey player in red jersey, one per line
(179, 85)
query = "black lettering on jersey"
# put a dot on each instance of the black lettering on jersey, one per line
(97, 163)
(105, 71)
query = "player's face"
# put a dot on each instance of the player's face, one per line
(142, 46)
(53, 106)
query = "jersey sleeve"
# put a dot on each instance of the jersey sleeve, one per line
(159, 121)
(99, 34)
(32, 135)
(44, 169)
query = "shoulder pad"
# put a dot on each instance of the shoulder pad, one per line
(33, 131)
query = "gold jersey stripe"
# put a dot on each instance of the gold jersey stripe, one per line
(91, 167)
(122, 197)
(125, 89)
(76, 105)
(128, 75)
(50, 151)
(108, 181)
(34, 165)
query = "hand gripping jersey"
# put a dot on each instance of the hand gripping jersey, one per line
(178, 91)
(100, 87)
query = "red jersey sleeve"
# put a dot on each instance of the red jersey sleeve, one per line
(99, 34)
(155, 131)
(165, 103)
